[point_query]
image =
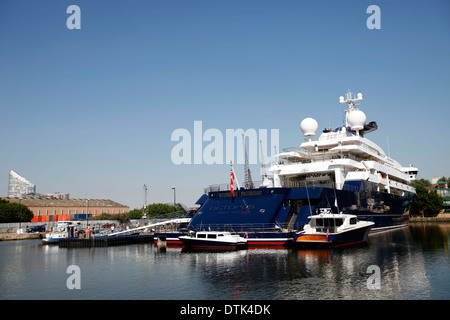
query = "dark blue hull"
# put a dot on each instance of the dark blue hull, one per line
(272, 209)
(198, 244)
(268, 239)
(333, 240)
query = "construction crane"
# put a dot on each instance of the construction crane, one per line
(263, 163)
(248, 183)
(144, 211)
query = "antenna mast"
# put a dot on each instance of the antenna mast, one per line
(350, 102)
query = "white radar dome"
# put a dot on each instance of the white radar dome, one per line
(356, 119)
(309, 126)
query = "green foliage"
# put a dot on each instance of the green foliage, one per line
(154, 210)
(444, 179)
(135, 214)
(14, 212)
(157, 209)
(422, 182)
(425, 203)
(121, 217)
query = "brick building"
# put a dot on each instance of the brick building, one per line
(69, 209)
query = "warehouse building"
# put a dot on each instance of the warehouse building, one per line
(69, 209)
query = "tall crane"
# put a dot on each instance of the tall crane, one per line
(248, 183)
(263, 163)
(144, 215)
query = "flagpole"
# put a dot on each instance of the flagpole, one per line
(235, 176)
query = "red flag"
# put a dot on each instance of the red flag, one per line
(231, 183)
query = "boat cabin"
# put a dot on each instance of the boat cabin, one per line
(331, 222)
(210, 235)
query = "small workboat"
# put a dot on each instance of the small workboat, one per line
(333, 230)
(213, 240)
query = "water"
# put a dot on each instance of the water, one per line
(413, 263)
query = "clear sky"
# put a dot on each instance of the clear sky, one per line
(91, 111)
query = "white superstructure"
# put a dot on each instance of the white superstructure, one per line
(340, 156)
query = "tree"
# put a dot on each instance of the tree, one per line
(120, 217)
(444, 179)
(425, 203)
(14, 212)
(422, 182)
(154, 210)
(157, 209)
(135, 214)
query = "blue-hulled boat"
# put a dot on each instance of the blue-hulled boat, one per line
(333, 230)
(342, 171)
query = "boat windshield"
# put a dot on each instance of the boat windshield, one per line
(329, 222)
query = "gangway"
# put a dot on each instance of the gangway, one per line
(151, 225)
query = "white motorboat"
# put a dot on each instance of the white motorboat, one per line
(63, 230)
(215, 240)
(333, 230)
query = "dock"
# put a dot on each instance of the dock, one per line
(105, 241)
(9, 236)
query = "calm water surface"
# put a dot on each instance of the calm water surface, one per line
(413, 263)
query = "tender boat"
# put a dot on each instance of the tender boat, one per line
(333, 230)
(213, 240)
(63, 230)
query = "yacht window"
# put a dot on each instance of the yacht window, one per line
(319, 222)
(329, 223)
(353, 220)
(201, 235)
(212, 236)
(339, 222)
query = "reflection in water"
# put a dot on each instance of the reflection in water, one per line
(413, 264)
(328, 274)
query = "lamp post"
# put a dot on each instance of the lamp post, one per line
(87, 211)
(174, 199)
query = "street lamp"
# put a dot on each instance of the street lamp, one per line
(174, 199)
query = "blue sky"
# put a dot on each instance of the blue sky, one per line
(91, 111)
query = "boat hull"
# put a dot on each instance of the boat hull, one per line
(254, 239)
(267, 209)
(211, 245)
(268, 239)
(347, 238)
(171, 238)
(50, 240)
